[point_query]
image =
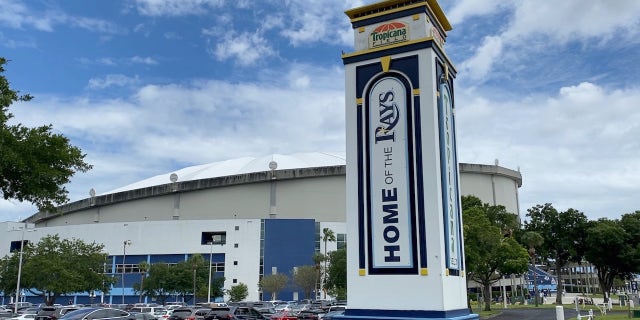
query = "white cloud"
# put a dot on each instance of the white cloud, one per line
(245, 48)
(118, 80)
(176, 7)
(572, 148)
(572, 20)
(465, 9)
(18, 16)
(478, 66)
(533, 27)
(144, 60)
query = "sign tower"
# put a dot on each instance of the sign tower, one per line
(405, 248)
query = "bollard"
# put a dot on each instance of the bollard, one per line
(559, 313)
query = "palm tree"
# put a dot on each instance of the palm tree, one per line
(533, 239)
(317, 258)
(143, 266)
(327, 235)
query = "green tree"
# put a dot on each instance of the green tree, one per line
(305, 278)
(190, 278)
(35, 163)
(159, 282)
(238, 292)
(273, 283)
(564, 236)
(489, 254)
(336, 283)
(613, 247)
(54, 267)
(327, 236)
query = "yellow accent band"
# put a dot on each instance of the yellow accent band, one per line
(362, 272)
(424, 272)
(359, 101)
(438, 94)
(383, 8)
(447, 272)
(446, 72)
(416, 17)
(462, 273)
(386, 62)
(361, 29)
(416, 92)
(397, 45)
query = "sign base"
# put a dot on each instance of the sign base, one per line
(376, 314)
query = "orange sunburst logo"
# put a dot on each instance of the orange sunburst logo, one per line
(388, 33)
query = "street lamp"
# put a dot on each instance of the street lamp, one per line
(210, 262)
(124, 255)
(15, 307)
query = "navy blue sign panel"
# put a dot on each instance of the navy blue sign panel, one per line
(452, 213)
(390, 170)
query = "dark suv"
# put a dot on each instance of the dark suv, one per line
(234, 313)
(188, 313)
(53, 313)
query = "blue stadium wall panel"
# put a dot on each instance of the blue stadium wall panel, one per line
(288, 243)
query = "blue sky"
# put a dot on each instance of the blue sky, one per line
(146, 87)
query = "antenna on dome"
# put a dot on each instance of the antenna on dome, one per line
(174, 178)
(272, 208)
(92, 195)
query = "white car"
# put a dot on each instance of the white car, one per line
(26, 316)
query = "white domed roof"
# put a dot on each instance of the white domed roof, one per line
(242, 166)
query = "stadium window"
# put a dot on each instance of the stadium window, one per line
(235, 263)
(237, 228)
(235, 245)
(218, 237)
(235, 280)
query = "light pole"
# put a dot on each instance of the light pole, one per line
(15, 306)
(124, 256)
(210, 262)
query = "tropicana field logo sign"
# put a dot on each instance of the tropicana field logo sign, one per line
(388, 33)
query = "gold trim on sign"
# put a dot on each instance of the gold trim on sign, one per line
(362, 272)
(359, 101)
(386, 62)
(424, 271)
(416, 92)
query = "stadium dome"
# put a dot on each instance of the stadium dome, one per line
(267, 212)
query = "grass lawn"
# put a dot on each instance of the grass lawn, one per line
(617, 313)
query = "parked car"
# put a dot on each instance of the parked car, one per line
(96, 313)
(53, 313)
(329, 315)
(310, 314)
(163, 314)
(234, 313)
(284, 315)
(149, 310)
(29, 310)
(6, 312)
(143, 316)
(189, 313)
(24, 316)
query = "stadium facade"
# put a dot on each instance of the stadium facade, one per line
(265, 215)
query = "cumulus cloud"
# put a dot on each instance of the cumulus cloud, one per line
(111, 80)
(531, 28)
(17, 15)
(176, 7)
(144, 60)
(564, 144)
(478, 66)
(245, 48)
